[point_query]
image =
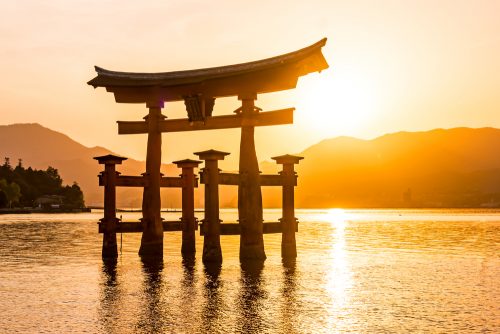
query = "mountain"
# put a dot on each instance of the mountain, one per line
(457, 167)
(40, 147)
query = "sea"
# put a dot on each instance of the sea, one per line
(357, 271)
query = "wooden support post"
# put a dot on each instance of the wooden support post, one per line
(109, 247)
(152, 237)
(211, 224)
(288, 244)
(250, 213)
(188, 219)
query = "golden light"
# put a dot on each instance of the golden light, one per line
(337, 217)
(339, 280)
(336, 102)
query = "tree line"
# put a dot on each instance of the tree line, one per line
(24, 187)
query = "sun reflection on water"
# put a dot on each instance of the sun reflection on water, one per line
(339, 277)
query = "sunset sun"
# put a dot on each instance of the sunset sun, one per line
(337, 102)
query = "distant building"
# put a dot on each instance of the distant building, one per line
(49, 202)
(490, 204)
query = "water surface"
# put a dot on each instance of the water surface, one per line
(365, 271)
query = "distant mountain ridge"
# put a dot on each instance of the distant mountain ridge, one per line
(31, 140)
(41, 147)
(437, 168)
(457, 167)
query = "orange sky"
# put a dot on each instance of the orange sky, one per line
(395, 65)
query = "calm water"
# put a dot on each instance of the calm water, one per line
(357, 271)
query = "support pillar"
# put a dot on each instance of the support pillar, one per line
(250, 213)
(188, 219)
(152, 235)
(211, 224)
(109, 246)
(289, 222)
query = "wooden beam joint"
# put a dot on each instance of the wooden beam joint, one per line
(233, 179)
(143, 181)
(137, 227)
(235, 229)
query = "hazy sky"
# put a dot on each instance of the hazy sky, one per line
(394, 65)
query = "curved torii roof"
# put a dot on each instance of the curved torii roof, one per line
(261, 76)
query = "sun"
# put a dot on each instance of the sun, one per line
(336, 102)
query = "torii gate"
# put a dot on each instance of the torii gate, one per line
(199, 89)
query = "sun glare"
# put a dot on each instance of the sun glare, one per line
(337, 216)
(336, 103)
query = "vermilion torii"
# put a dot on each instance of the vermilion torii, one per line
(199, 89)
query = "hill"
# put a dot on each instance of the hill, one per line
(439, 168)
(40, 147)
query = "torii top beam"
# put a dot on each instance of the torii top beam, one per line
(204, 85)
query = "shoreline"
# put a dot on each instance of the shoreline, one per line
(30, 210)
(90, 209)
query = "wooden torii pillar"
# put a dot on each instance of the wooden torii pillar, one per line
(288, 244)
(188, 219)
(109, 246)
(212, 251)
(152, 236)
(250, 213)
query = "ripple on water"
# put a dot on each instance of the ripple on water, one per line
(357, 271)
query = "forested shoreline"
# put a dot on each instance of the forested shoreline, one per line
(22, 187)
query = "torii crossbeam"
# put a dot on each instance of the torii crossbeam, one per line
(199, 90)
